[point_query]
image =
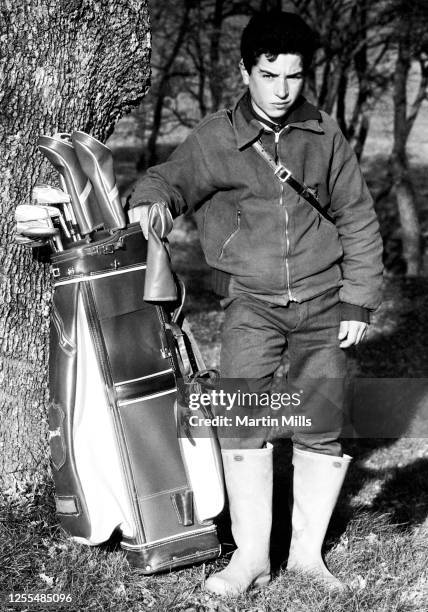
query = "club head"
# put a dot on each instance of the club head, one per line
(32, 212)
(97, 162)
(60, 152)
(46, 194)
(37, 232)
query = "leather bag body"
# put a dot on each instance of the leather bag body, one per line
(117, 459)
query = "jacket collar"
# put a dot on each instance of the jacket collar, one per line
(248, 129)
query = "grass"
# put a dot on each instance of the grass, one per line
(384, 563)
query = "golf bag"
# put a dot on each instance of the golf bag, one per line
(120, 460)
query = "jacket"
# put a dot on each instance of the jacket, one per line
(271, 241)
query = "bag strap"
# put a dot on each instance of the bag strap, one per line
(182, 354)
(284, 175)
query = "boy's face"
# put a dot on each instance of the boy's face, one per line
(274, 85)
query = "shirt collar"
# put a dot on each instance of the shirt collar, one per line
(248, 126)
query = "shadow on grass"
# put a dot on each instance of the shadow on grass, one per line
(402, 499)
(405, 494)
(398, 349)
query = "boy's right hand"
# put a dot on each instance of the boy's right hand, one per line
(140, 214)
(156, 214)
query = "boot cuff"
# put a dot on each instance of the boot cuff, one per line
(249, 452)
(320, 456)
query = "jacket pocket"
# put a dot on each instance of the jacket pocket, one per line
(232, 235)
(329, 222)
(323, 214)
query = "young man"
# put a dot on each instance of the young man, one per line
(297, 257)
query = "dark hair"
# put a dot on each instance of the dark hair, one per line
(277, 32)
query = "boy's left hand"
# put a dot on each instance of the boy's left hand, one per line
(351, 332)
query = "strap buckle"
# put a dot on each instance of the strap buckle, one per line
(101, 249)
(106, 249)
(282, 173)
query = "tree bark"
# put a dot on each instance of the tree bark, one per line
(65, 66)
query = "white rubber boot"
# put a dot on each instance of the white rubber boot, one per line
(248, 476)
(317, 481)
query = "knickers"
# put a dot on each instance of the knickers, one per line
(255, 336)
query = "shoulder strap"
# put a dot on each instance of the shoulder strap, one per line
(284, 175)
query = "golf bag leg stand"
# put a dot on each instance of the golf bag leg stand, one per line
(117, 460)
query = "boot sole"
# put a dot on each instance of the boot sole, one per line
(332, 584)
(231, 592)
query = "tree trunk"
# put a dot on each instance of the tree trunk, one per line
(358, 126)
(215, 76)
(410, 227)
(163, 85)
(65, 66)
(361, 138)
(405, 196)
(341, 103)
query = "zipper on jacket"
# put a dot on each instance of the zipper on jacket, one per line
(278, 132)
(276, 156)
(235, 231)
(281, 201)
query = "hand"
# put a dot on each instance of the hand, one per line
(140, 214)
(351, 332)
(156, 215)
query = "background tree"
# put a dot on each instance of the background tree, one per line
(171, 29)
(194, 63)
(410, 27)
(65, 66)
(350, 69)
(368, 50)
(200, 75)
